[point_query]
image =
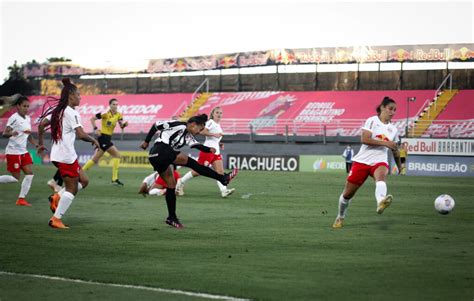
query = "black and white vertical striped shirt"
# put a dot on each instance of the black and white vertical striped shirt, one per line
(174, 134)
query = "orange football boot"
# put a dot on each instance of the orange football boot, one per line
(22, 202)
(53, 201)
(57, 223)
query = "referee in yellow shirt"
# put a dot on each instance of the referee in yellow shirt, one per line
(109, 121)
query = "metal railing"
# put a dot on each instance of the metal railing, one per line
(443, 83)
(438, 93)
(204, 82)
(346, 127)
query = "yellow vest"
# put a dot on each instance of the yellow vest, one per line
(403, 153)
(109, 121)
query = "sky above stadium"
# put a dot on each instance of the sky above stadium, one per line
(125, 34)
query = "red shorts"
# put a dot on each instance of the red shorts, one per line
(68, 170)
(16, 162)
(207, 159)
(360, 172)
(161, 182)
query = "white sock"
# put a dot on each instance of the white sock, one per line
(8, 179)
(149, 180)
(25, 185)
(380, 191)
(79, 188)
(221, 187)
(157, 191)
(343, 205)
(64, 202)
(188, 176)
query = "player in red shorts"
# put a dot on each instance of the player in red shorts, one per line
(18, 132)
(378, 136)
(65, 125)
(155, 185)
(213, 133)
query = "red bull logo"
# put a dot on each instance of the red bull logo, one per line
(382, 137)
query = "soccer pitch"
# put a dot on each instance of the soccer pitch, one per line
(271, 240)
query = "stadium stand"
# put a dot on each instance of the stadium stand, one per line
(457, 120)
(317, 113)
(328, 113)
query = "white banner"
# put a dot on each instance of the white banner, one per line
(443, 147)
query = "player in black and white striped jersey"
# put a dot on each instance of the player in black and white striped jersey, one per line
(166, 151)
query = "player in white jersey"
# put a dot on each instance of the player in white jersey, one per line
(378, 136)
(65, 125)
(18, 132)
(213, 133)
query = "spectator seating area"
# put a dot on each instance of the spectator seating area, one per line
(328, 113)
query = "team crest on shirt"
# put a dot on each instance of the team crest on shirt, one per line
(382, 137)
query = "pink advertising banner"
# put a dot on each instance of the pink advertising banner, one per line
(271, 112)
(341, 112)
(140, 110)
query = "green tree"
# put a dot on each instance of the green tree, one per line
(16, 82)
(57, 59)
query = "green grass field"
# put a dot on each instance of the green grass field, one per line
(271, 240)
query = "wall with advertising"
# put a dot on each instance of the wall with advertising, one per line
(128, 159)
(267, 163)
(440, 166)
(322, 163)
(440, 157)
(439, 147)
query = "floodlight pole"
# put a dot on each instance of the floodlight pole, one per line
(413, 99)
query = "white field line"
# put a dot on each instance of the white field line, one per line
(139, 287)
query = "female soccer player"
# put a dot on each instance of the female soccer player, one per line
(173, 136)
(378, 136)
(65, 125)
(155, 185)
(18, 132)
(213, 133)
(109, 121)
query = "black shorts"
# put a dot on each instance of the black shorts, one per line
(403, 160)
(161, 156)
(105, 142)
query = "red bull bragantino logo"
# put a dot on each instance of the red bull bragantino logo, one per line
(382, 137)
(421, 146)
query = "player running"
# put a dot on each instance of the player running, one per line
(65, 124)
(109, 121)
(213, 133)
(18, 132)
(378, 136)
(166, 152)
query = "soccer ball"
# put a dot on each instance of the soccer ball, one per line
(444, 204)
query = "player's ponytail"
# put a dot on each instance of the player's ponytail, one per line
(198, 119)
(56, 106)
(385, 102)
